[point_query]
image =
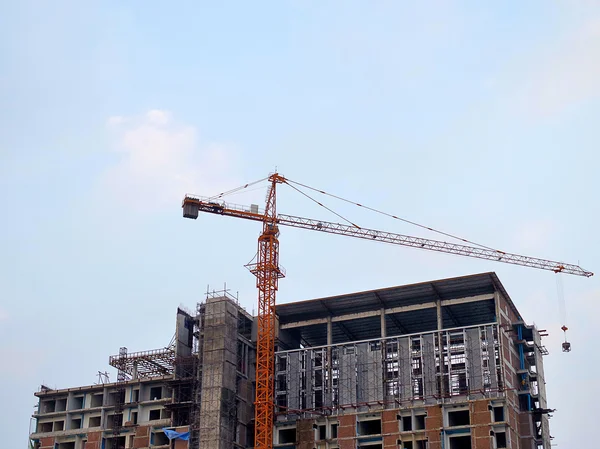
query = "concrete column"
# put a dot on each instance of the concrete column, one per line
(440, 325)
(329, 362)
(383, 326)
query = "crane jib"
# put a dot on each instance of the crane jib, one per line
(192, 206)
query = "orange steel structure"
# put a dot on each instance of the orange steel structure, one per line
(268, 272)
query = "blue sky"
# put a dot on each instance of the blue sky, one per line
(477, 119)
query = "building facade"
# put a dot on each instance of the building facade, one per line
(447, 364)
(444, 364)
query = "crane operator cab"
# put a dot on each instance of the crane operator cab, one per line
(272, 229)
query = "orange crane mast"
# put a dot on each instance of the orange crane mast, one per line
(268, 272)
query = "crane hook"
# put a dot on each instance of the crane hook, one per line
(566, 346)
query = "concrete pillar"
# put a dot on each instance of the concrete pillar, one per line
(329, 361)
(440, 325)
(383, 326)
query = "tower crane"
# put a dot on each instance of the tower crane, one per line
(268, 272)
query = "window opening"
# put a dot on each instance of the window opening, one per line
(287, 436)
(370, 427)
(458, 418)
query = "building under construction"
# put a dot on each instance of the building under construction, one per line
(447, 364)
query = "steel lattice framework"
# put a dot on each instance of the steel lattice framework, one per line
(268, 273)
(156, 362)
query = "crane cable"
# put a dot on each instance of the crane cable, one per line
(322, 205)
(562, 308)
(230, 192)
(388, 215)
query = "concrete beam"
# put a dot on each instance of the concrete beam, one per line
(388, 311)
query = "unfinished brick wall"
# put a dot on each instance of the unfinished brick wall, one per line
(47, 443)
(433, 423)
(347, 432)
(181, 444)
(390, 429)
(305, 434)
(142, 437)
(94, 440)
(481, 419)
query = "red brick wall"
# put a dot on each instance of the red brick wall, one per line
(93, 440)
(481, 419)
(180, 444)
(433, 422)
(47, 443)
(142, 437)
(347, 432)
(389, 425)
(305, 434)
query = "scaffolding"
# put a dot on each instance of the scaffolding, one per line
(122, 377)
(407, 370)
(145, 364)
(224, 373)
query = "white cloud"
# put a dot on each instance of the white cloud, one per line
(116, 120)
(535, 235)
(160, 160)
(158, 117)
(567, 75)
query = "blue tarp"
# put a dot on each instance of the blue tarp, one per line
(172, 435)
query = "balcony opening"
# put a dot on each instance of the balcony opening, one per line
(155, 393)
(69, 445)
(108, 443)
(48, 406)
(45, 427)
(322, 432)
(94, 421)
(499, 414)
(420, 422)
(75, 423)
(407, 423)
(463, 442)
(287, 436)
(77, 403)
(97, 400)
(116, 397)
(501, 439)
(370, 427)
(61, 405)
(458, 418)
(334, 430)
(160, 439)
(112, 420)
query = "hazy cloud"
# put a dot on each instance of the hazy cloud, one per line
(567, 75)
(3, 315)
(161, 159)
(535, 235)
